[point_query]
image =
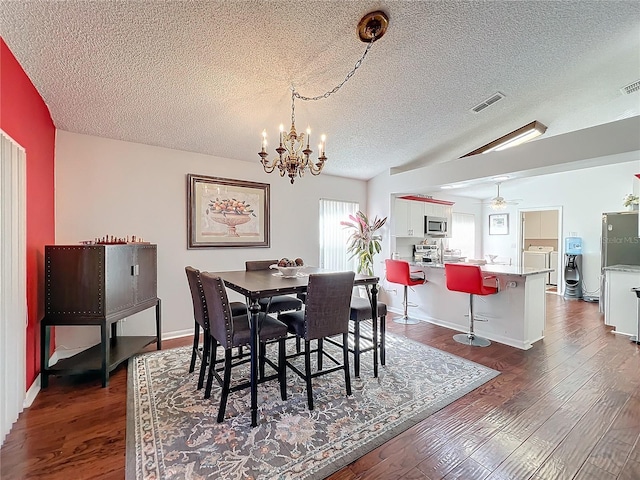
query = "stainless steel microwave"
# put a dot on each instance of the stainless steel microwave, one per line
(436, 226)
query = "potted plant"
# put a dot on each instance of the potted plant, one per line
(363, 243)
(630, 200)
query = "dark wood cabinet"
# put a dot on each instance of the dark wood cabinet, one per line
(98, 285)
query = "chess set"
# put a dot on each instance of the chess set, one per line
(113, 240)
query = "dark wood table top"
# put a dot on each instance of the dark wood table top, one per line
(267, 283)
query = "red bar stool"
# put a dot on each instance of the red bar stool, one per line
(398, 272)
(469, 279)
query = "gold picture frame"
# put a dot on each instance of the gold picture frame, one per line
(222, 212)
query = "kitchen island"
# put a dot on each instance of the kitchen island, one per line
(516, 314)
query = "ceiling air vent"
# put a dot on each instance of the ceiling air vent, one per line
(488, 102)
(632, 87)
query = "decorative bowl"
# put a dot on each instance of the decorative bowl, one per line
(231, 220)
(491, 258)
(287, 272)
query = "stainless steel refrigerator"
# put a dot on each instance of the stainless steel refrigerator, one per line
(620, 244)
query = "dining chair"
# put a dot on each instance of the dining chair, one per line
(277, 303)
(201, 318)
(230, 331)
(360, 311)
(326, 314)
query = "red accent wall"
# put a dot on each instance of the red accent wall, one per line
(426, 199)
(25, 117)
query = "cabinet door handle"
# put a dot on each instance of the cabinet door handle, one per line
(135, 270)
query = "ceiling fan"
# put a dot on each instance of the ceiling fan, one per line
(499, 203)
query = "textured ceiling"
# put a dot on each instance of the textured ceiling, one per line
(208, 77)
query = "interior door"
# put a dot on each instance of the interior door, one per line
(542, 227)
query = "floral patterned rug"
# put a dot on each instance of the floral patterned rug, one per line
(172, 431)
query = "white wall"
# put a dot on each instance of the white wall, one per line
(110, 187)
(583, 196)
(599, 164)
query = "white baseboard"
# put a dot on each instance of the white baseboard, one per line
(32, 393)
(178, 334)
(61, 353)
(35, 387)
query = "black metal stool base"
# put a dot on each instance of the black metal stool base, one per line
(472, 340)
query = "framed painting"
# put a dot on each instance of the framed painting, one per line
(226, 213)
(499, 224)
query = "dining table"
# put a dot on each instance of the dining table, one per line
(257, 284)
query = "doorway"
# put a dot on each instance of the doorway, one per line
(540, 240)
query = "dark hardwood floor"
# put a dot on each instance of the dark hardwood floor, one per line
(567, 408)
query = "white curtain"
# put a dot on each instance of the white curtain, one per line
(464, 234)
(333, 236)
(13, 295)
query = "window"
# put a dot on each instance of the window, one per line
(333, 236)
(464, 234)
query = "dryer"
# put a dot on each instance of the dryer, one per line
(553, 263)
(537, 257)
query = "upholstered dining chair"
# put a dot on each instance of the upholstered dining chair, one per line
(326, 314)
(360, 311)
(277, 303)
(231, 331)
(201, 318)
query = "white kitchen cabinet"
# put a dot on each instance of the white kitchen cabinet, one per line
(541, 225)
(549, 224)
(531, 225)
(435, 210)
(409, 218)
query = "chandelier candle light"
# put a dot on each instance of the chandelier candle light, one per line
(293, 156)
(293, 153)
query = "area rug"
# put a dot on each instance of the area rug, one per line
(172, 431)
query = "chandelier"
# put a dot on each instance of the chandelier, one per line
(293, 153)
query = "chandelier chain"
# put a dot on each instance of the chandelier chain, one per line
(293, 149)
(339, 86)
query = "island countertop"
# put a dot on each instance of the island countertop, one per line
(493, 268)
(623, 268)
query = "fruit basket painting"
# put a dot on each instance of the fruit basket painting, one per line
(224, 212)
